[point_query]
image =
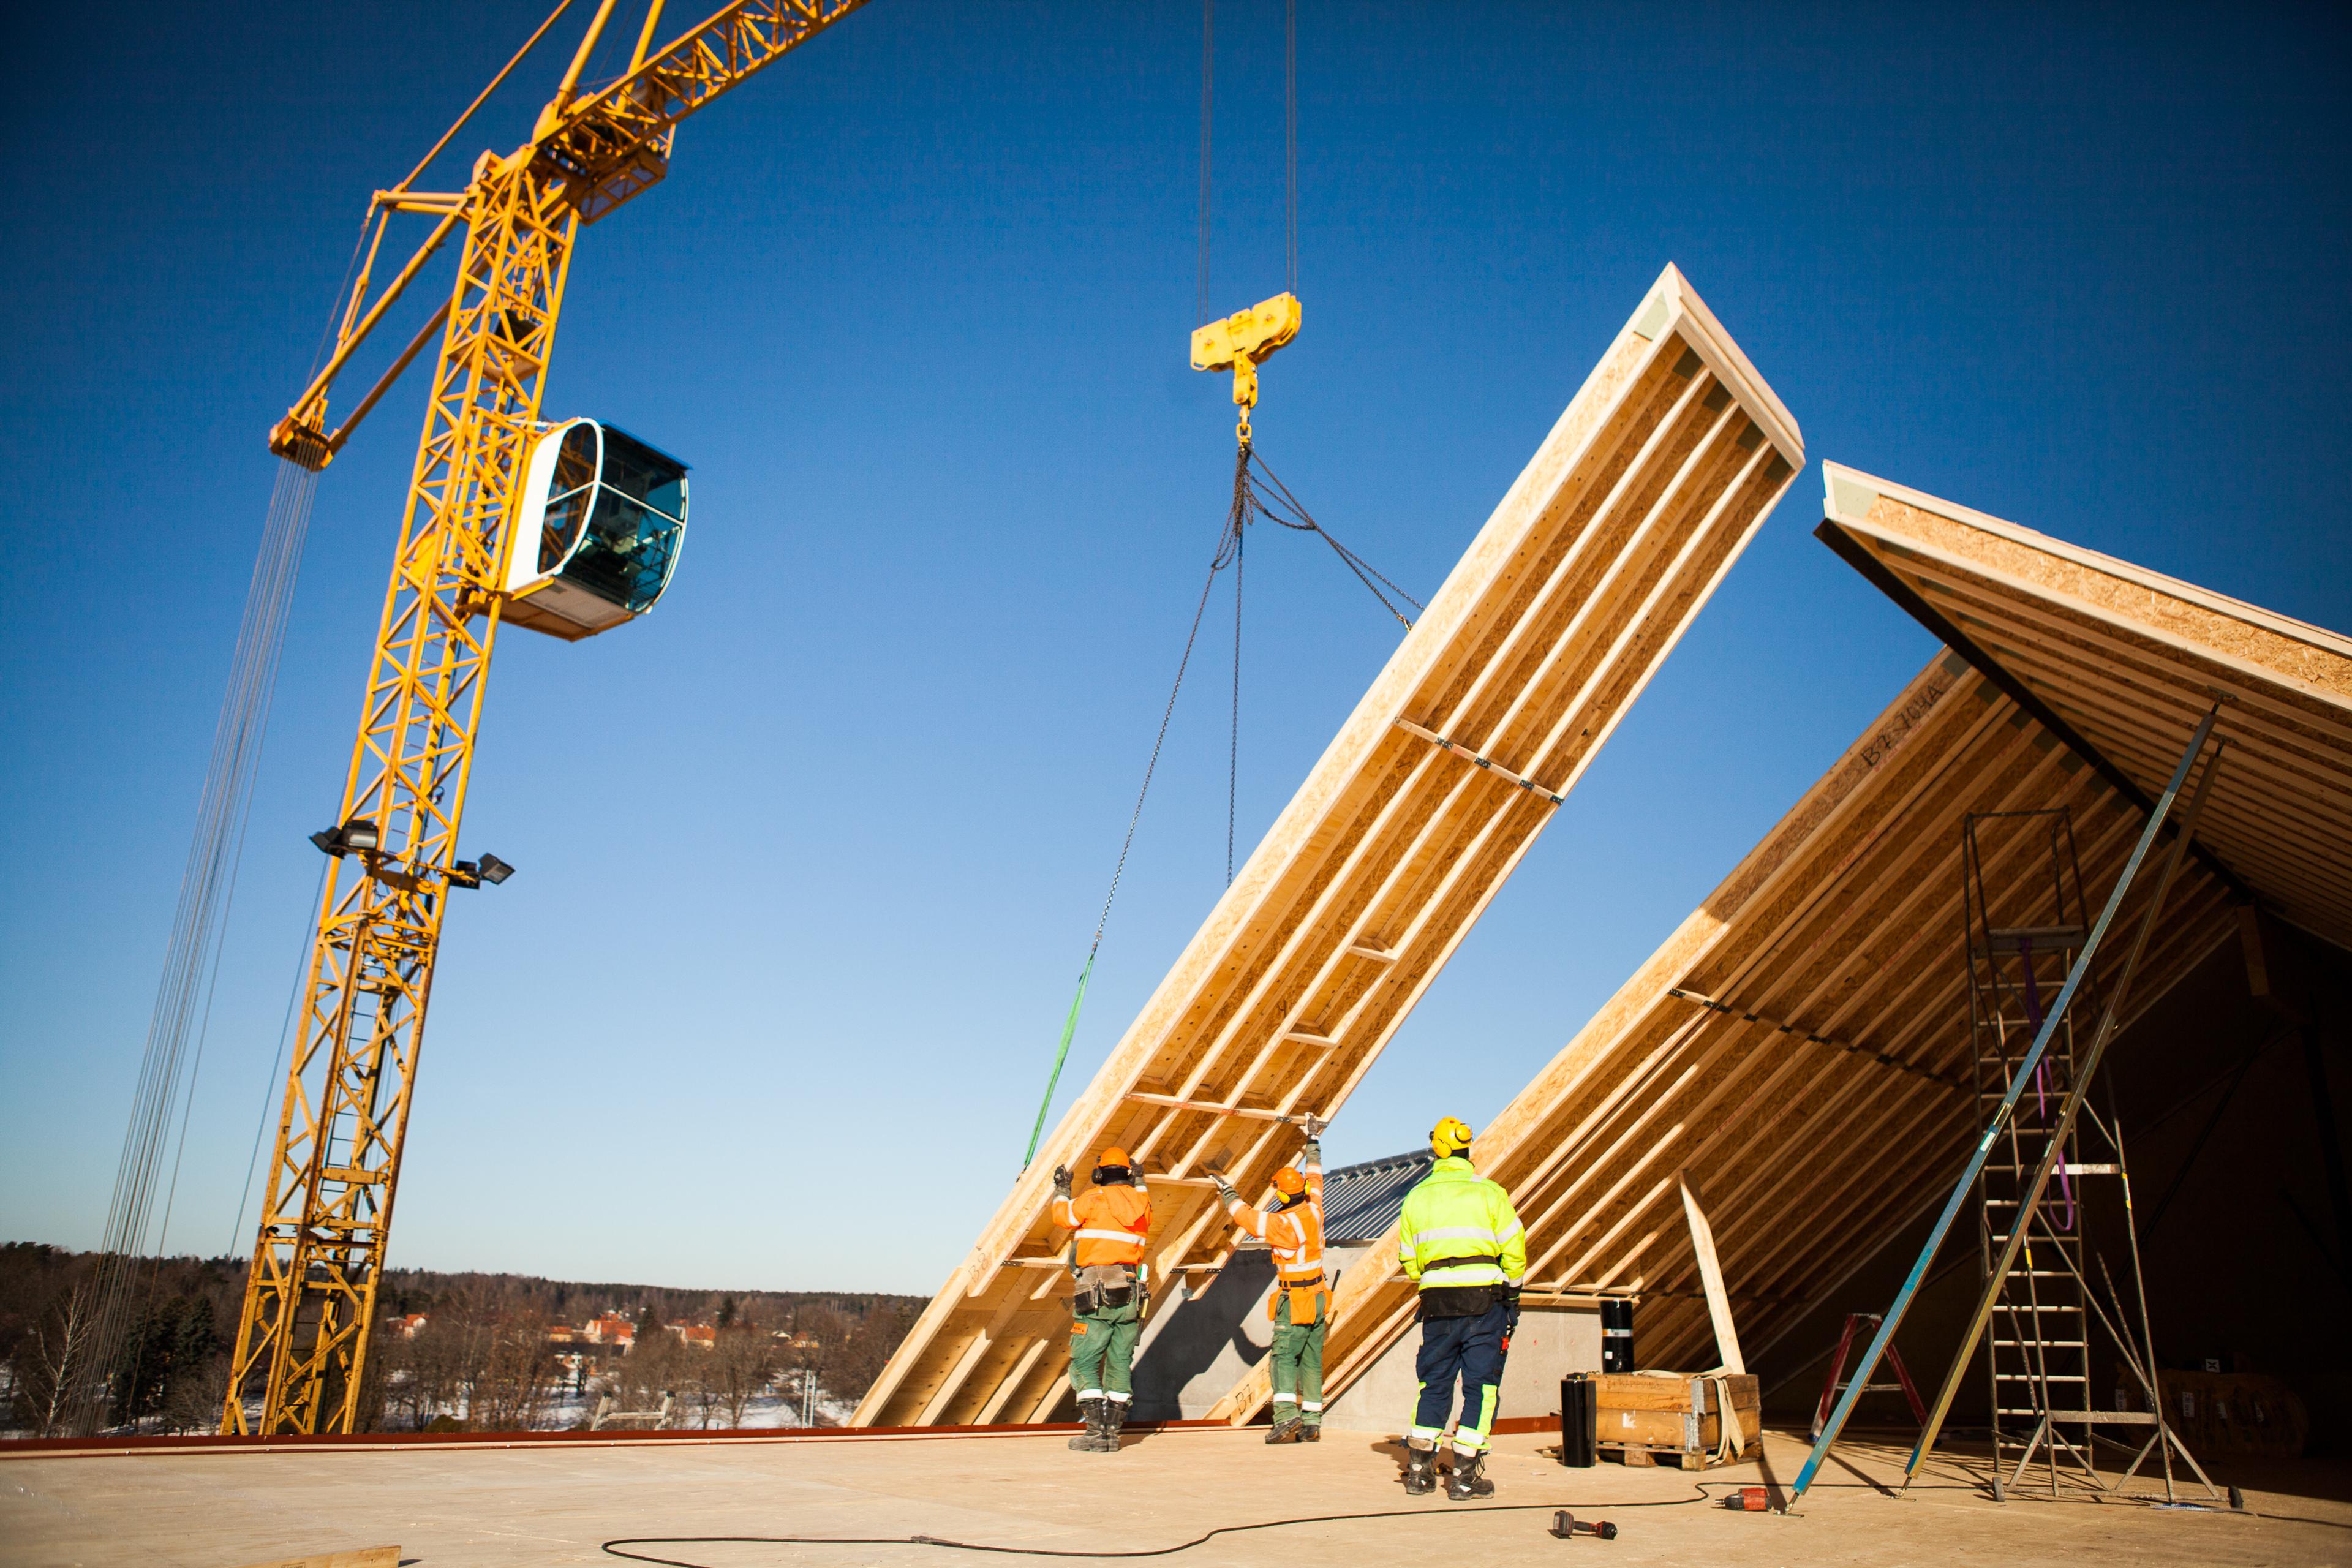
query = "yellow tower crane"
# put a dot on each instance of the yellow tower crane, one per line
(568, 530)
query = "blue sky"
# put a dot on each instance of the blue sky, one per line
(810, 857)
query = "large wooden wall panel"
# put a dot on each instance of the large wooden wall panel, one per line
(1640, 499)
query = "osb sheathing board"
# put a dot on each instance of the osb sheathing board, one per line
(2131, 659)
(1797, 1050)
(1636, 504)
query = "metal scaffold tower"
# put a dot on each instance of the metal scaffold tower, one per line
(2018, 955)
(2027, 924)
(2016, 946)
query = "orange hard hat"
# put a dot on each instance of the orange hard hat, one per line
(1113, 1155)
(1288, 1181)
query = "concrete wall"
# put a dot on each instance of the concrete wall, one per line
(1193, 1352)
(1551, 1342)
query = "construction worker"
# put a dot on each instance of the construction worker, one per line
(1108, 1311)
(1460, 1241)
(1301, 1305)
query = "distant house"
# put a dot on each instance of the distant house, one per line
(801, 1340)
(406, 1326)
(701, 1336)
(610, 1329)
(559, 1334)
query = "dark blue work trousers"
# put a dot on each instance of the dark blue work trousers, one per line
(1469, 1348)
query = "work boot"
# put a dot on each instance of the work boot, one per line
(1420, 1470)
(1464, 1483)
(1287, 1430)
(1311, 1432)
(1114, 1417)
(1091, 1440)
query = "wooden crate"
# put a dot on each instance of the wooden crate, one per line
(1644, 1419)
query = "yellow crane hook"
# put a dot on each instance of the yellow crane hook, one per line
(1242, 341)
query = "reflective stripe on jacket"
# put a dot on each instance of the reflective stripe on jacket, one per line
(1111, 1222)
(1455, 1212)
(1296, 1234)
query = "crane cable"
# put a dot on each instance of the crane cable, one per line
(1259, 495)
(206, 891)
(1290, 143)
(1252, 500)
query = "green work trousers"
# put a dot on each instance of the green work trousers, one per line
(1298, 1365)
(1102, 1351)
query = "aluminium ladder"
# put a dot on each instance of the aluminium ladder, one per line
(2023, 894)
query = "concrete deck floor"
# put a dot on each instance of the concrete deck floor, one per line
(553, 1505)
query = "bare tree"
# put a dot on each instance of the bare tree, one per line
(513, 1372)
(53, 1356)
(742, 1363)
(655, 1365)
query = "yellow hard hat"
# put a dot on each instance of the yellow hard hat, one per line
(1449, 1137)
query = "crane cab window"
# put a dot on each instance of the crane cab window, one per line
(607, 514)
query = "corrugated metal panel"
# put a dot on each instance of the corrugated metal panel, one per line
(1361, 1202)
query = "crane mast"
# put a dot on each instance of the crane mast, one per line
(311, 1296)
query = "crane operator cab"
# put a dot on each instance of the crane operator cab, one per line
(597, 531)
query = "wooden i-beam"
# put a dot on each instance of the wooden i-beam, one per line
(1566, 602)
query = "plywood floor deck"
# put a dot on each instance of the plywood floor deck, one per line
(552, 1505)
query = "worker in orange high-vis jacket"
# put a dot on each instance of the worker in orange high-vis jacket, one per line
(1106, 1261)
(1301, 1305)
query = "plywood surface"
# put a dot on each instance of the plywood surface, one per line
(1638, 502)
(2131, 659)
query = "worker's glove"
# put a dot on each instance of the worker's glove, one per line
(1135, 1176)
(1312, 1153)
(1061, 1179)
(1226, 1191)
(1508, 1295)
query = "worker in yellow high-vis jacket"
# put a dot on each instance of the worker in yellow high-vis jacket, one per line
(1462, 1243)
(1106, 1312)
(1301, 1304)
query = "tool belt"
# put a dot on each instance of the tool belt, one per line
(1104, 1287)
(1307, 1299)
(1462, 1300)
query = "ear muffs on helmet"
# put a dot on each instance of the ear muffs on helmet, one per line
(1288, 1181)
(1449, 1137)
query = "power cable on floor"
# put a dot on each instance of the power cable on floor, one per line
(613, 1548)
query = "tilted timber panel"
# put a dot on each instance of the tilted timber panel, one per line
(2130, 659)
(1605, 547)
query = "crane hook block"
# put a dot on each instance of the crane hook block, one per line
(596, 530)
(1242, 341)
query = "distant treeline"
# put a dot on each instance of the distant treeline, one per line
(482, 1359)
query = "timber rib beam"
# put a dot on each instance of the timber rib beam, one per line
(1950, 1081)
(1459, 750)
